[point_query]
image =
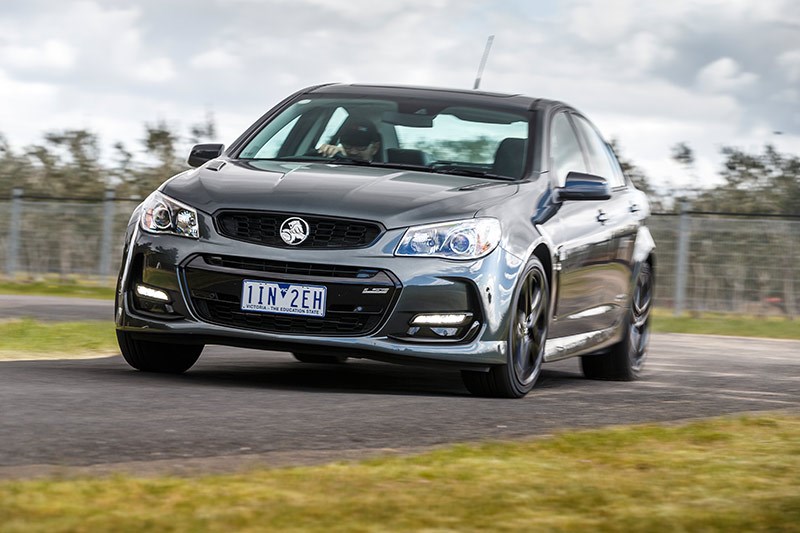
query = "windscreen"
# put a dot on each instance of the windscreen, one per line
(427, 135)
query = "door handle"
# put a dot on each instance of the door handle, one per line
(602, 217)
(634, 208)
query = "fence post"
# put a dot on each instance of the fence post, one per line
(108, 227)
(13, 232)
(681, 270)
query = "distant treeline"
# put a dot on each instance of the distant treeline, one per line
(69, 163)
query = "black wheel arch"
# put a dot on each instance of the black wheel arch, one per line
(545, 256)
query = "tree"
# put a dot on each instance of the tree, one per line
(767, 182)
(67, 164)
(203, 131)
(15, 169)
(683, 154)
(735, 255)
(162, 162)
(638, 177)
(474, 150)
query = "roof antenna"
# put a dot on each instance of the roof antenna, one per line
(483, 61)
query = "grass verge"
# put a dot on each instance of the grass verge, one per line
(30, 339)
(725, 324)
(732, 474)
(47, 287)
(663, 320)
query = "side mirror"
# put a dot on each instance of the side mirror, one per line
(580, 186)
(204, 152)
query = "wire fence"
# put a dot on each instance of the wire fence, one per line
(727, 263)
(704, 261)
(63, 236)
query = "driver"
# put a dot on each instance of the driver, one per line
(358, 139)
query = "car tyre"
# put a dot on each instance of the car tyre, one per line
(319, 359)
(624, 360)
(526, 340)
(149, 356)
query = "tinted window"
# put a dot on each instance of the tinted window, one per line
(565, 152)
(598, 153)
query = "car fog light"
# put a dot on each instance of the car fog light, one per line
(438, 319)
(150, 292)
(445, 332)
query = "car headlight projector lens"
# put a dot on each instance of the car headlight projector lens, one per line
(162, 214)
(463, 239)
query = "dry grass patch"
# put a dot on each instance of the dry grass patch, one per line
(30, 339)
(727, 324)
(733, 474)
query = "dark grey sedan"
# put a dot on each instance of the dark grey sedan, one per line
(487, 232)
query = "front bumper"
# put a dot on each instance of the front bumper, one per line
(195, 279)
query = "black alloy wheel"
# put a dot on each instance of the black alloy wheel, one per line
(526, 340)
(624, 360)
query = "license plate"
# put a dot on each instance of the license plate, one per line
(283, 298)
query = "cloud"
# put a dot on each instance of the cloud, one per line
(787, 96)
(651, 74)
(51, 54)
(216, 58)
(724, 75)
(602, 22)
(358, 9)
(30, 107)
(789, 62)
(645, 51)
(12, 90)
(158, 70)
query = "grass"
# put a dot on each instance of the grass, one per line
(731, 474)
(726, 324)
(31, 339)
(663, 321)
(28, 338)
(75, 288)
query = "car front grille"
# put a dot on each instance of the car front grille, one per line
(358, 299)
(324, 232)
(285, 267)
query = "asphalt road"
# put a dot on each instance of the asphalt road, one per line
(240, 407)
(55, 308)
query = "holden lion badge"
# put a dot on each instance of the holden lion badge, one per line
(294, 231)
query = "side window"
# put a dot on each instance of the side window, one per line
(565, 152)
(619, 176)
(598, 153)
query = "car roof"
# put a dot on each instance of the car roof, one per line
(463, 96)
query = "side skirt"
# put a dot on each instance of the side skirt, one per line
(581, 344)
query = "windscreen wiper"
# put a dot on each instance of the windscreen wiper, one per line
(471, 172)
(456, 171)
(335, 160)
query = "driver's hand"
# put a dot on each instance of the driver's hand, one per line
(330, 150)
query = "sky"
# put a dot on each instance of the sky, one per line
(649, 74)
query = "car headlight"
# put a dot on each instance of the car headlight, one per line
(162, 214)
(463, 239)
